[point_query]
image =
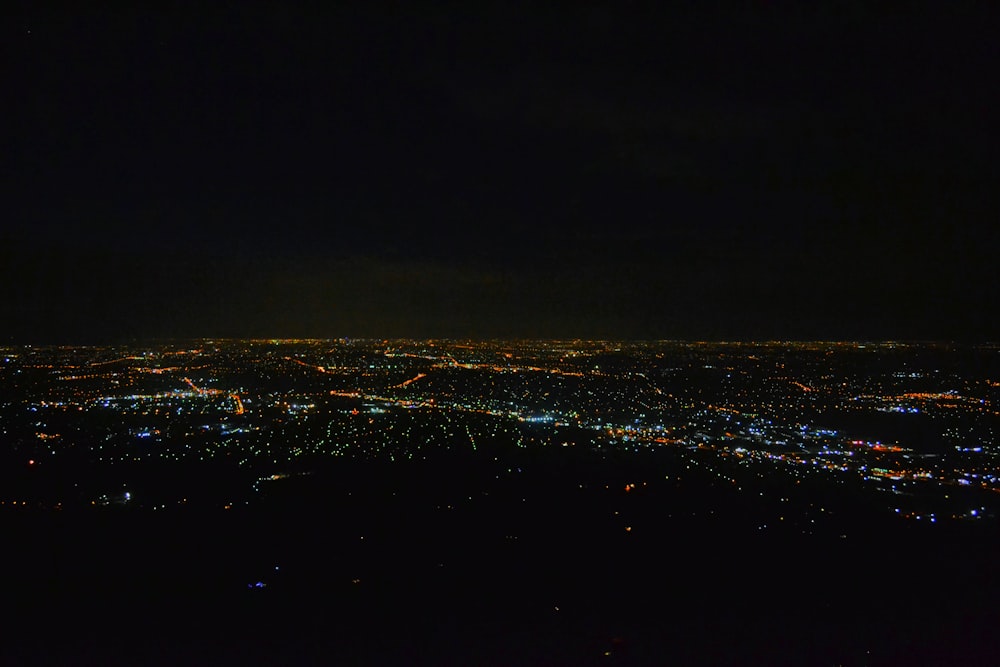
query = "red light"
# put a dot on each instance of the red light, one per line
(31, 462)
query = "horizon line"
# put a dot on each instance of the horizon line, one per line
(506, 339)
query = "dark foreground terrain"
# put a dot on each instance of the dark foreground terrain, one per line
(546, 559)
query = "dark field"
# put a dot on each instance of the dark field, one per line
(451, 562)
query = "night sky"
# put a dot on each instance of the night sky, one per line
(507, 170)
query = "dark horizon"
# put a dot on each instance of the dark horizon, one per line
(347, 339)
(501, 171)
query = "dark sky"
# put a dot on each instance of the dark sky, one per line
(476, 170)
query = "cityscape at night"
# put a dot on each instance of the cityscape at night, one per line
(535, 500)
(911, 427)
(500, 333)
